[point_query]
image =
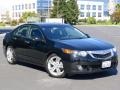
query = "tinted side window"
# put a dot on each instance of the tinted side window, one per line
(22, 31)
(35, 32)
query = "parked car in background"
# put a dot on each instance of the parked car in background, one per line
(61, 48)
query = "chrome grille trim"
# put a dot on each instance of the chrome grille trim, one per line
(101, 52)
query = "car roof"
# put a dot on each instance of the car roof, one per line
(46, 24)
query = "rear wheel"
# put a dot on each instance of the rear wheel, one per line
(10, 54)
(54, 66)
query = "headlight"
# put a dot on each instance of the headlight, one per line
(75, 53)
(82, 53)
(114, 49)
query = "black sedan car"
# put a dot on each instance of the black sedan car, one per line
(60, 48)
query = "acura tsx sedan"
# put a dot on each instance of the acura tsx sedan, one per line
(60, 48)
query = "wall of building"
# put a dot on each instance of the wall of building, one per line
(91, 9)
(21, 6)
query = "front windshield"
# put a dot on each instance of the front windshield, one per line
(62, 32)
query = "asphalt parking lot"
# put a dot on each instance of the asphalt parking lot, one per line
(28, 77)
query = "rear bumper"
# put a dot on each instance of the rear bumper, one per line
(88, 66)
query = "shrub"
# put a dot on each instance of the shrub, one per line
(91, 20)
(83, 20)
(2, 24)
(14, 22)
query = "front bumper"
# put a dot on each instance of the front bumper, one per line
(88, 66)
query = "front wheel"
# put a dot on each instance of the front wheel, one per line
(54, 66)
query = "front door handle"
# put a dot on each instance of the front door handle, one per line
(28, 42)
(15, 38)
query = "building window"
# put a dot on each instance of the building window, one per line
(26, 6)
(88, 7)
(99, 14)
(94, 14)
(33, 5)
(15, 7)
(12, 7)
(99, 7)
(13, 15)
(19, 6)
(82, 7)
(22, 7)
(82, 14)
(94, 7)
(16, 14)
(88, 14)
(29, 6)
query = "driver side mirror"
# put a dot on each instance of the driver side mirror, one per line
(87, 35)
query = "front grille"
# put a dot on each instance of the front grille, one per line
(102, 54)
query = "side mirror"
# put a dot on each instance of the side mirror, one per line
(87, 35)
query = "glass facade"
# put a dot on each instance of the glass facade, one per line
(44, 7)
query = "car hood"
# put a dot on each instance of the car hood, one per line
(89, 44)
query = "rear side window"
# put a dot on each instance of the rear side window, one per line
(22, 31)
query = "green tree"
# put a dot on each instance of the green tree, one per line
(25, 15)
(55, 10)
(73, 12)
(21, 20)
(67, 9)
(115, 17)
(117, 6)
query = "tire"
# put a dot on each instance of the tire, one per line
(54, 66)
(10, 55)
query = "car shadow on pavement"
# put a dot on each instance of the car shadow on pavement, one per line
(94, 75)
(32, 66)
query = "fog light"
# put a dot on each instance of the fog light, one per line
(80, 67)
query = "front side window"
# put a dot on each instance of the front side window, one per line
(35, 33)
(62, 32)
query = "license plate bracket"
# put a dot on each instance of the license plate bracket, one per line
(106, 64)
